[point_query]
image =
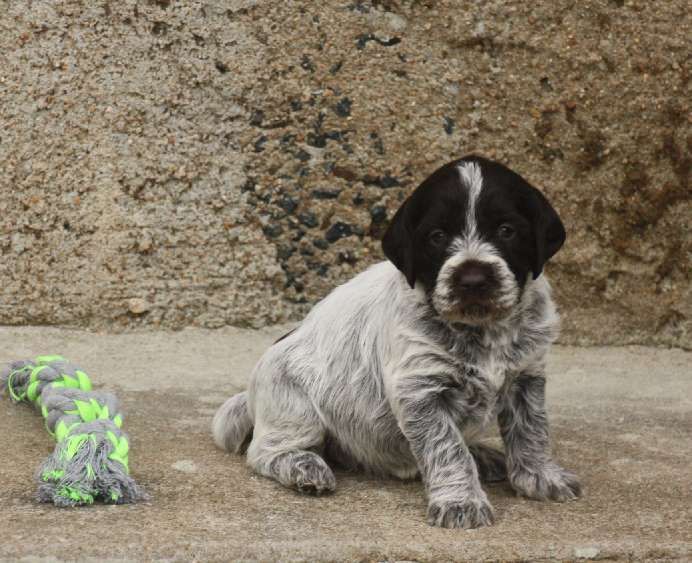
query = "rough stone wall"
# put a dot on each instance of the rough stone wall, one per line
(219, 162)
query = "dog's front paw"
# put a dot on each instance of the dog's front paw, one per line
(547, 482)
(464, 513)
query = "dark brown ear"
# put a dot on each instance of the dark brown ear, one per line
(549, 231)
(397, 243)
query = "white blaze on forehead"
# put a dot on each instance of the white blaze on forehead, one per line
(472, 179)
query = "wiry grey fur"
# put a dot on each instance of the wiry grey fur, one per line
(381, 377)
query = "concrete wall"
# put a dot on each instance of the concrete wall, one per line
(175, 163)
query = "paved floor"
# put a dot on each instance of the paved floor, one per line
(621, 418)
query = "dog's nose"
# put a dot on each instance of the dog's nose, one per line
(474, 276)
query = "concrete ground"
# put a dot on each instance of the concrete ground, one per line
(621, 418)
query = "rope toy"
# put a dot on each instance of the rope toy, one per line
(90, 460)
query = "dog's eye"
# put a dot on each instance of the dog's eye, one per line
(506, 231)
(437, 237)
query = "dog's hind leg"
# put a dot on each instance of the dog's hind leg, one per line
(287, 441)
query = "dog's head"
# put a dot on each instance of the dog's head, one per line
(473, 234)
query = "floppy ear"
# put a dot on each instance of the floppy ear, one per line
(397, 243)
(549, 231)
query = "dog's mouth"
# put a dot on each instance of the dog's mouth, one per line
(475, 311)
(475, 308)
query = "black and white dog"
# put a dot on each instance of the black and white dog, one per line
(398, 371)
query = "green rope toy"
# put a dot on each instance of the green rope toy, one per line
(90, 460)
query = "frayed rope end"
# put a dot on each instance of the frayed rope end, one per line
(89, 463)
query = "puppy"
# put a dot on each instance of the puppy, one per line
(398, 371)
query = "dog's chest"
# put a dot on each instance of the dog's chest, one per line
(484, 364)
(489, 354)
(493, 360)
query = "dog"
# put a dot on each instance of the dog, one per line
(400, 370)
